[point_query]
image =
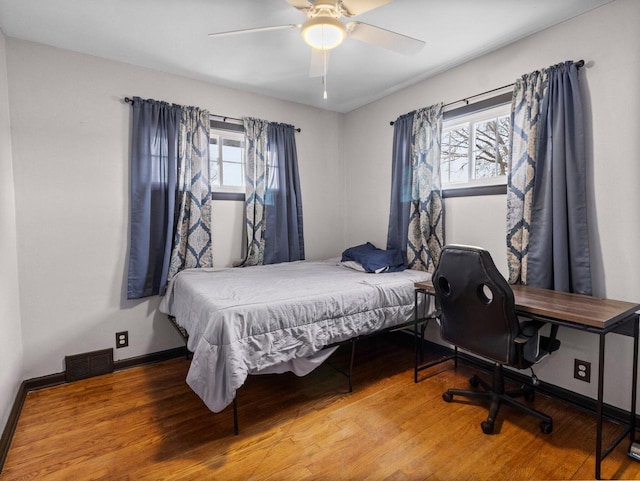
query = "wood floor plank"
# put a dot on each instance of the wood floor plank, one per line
(145, 423)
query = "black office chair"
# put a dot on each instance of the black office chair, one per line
(477, 314)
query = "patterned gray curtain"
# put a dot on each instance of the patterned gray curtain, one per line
(192, 239)
(426, 215)
(547, 232)
(256, 175)
(525, 121)
(170, 194)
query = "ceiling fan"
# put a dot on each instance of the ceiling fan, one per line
(324, 30)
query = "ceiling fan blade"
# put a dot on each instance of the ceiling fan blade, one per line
(358, 7)
(316, 67)
(384, 38)
(303, 5)
(253, 30)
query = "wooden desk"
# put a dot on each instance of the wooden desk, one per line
(585, 313)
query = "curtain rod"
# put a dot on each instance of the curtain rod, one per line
(579, 63)
(223, 117)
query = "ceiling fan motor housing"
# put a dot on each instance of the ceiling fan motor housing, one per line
(323, 30)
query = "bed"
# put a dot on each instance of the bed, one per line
(279, 317)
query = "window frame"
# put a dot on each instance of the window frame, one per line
(468, 189)
(221, 193)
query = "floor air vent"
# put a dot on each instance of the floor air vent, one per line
(88, 364)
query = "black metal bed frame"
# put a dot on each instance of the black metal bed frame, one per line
(417, 320)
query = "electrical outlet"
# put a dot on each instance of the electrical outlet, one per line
(582, 370)
(122, 339)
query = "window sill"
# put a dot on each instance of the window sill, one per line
(474, 191)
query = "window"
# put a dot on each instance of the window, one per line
(226, 160)
(475, 149)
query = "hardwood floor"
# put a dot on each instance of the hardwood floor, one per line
(146, 423)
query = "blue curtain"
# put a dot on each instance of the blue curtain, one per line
(416, 215)
(153, 193)
(559, 245)
(283, 234)
(401, 183)
(273, 202)
(554, 253)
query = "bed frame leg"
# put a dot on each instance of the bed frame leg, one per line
(236, 431)
(353, 355)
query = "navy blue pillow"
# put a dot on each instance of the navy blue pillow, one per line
(373, 259)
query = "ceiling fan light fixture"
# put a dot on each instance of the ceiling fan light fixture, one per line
(323, 32)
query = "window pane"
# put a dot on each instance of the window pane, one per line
(455, 155)
(227, 160)
(485, 149)
(475, 147)
(504, 127)
(445, 164)
(232, 173)
(214, 176)
(232, 150)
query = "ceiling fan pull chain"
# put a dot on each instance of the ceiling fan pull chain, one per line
(324, 73)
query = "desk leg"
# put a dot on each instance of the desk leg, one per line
(600, 402)
(634, 382)
(236, 431)
(415, 335)
(634, 387)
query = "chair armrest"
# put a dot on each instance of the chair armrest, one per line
(551, 343)
(519, 343)
(531, 347)
(528, 343)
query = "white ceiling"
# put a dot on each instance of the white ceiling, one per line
(171, 36)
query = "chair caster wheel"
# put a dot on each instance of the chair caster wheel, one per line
(447, 396)
(529, 397)
(474, 381)
(487, 427)
(546, 428)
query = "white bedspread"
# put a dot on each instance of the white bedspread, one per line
(264, 318)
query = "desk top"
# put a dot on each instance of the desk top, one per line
(564, 306)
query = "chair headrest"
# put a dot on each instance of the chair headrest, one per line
(465, 264)
(477, 303)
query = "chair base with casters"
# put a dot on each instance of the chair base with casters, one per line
(497, 395)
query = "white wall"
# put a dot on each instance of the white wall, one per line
(607, 39)
(69, 142)
(71, 157)
(11, 340)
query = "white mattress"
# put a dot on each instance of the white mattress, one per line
(278, 317)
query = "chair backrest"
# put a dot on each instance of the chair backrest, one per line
(477, 304)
